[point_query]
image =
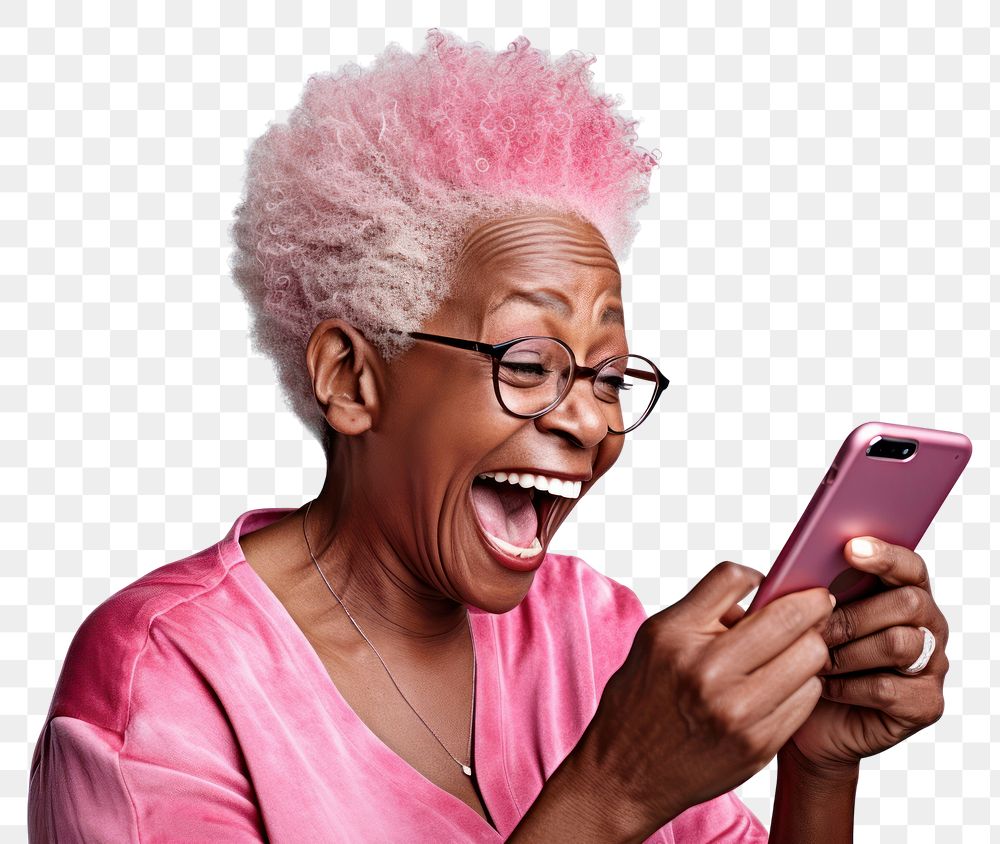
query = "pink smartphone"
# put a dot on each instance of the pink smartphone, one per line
(887, 481)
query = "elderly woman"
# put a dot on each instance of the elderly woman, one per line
(430, 251)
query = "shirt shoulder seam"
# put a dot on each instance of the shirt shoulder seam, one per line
(145, 643)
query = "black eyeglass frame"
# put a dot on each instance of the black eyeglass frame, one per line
(497, 350)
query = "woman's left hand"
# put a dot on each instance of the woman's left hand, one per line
(859, 715)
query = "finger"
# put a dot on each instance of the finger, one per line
(778, 726)
(895, 565)
(732, 615)
(717, 591)
(760, 637)
(767, 687)
(912, 700)
(894, 647)
(903, 605)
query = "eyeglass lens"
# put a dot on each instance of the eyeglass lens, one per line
(533, 375)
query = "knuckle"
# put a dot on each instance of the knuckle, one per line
(735, 575)
(911, 599)
(708, 676)
(817, 688)
(734, 718)
(725, 713)
(945, 663)
(817, 650)
(884, 689)
(942, 626)
(787, 613)
(844, 624)
(925, 577)
(728, 570)
(717, 715)
(937, 710)
(811, 690)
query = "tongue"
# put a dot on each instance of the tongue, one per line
(506, 511)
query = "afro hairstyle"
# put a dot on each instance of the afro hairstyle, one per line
(358, 206)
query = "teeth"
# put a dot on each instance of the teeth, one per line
(536, 546)
(555, 486)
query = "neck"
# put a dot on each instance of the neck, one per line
(383, 591)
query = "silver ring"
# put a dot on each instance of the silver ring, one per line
(925, 655)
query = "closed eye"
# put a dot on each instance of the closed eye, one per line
(531, 368)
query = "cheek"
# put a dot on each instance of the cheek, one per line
(442, 441)
(450, 384)
(608, 453)
(461, 409)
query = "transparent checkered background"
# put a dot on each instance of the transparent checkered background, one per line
(816, 254)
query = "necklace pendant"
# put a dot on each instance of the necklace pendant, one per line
(467, 770)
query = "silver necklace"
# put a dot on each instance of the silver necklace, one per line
(466, 769)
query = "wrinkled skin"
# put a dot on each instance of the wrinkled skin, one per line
(393, 528)
(863, 714)
(726, 694)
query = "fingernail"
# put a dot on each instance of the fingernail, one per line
(862, 548)
(833, 600)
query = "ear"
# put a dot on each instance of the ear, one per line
(346, 375)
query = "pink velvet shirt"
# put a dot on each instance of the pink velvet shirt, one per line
(191, 707)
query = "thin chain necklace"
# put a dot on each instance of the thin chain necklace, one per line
(466, 769)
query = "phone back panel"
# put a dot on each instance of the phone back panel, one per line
(860, 495)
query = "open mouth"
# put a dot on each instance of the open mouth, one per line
(514, 518)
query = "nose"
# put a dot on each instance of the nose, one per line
(579, 416)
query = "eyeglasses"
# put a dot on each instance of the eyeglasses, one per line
(532, 375)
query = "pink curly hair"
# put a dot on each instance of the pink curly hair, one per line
(358, 207)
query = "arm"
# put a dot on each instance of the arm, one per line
(576, 807)
(869, 702)
(812, 807)
(585, 801)
(83, 787)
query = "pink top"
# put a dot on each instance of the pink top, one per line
(192, 707)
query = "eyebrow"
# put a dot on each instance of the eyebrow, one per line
(612, 314)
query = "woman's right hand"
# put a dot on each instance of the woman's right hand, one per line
(702, 703)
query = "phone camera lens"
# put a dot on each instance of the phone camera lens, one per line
(888, 449)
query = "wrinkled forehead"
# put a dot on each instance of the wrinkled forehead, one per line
(527, 253)
(536, 235)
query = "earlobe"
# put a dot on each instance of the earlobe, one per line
(339, 360)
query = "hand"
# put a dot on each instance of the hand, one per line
(861, 714)
(699, 704)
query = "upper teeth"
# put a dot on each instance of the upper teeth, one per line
(555, 486)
